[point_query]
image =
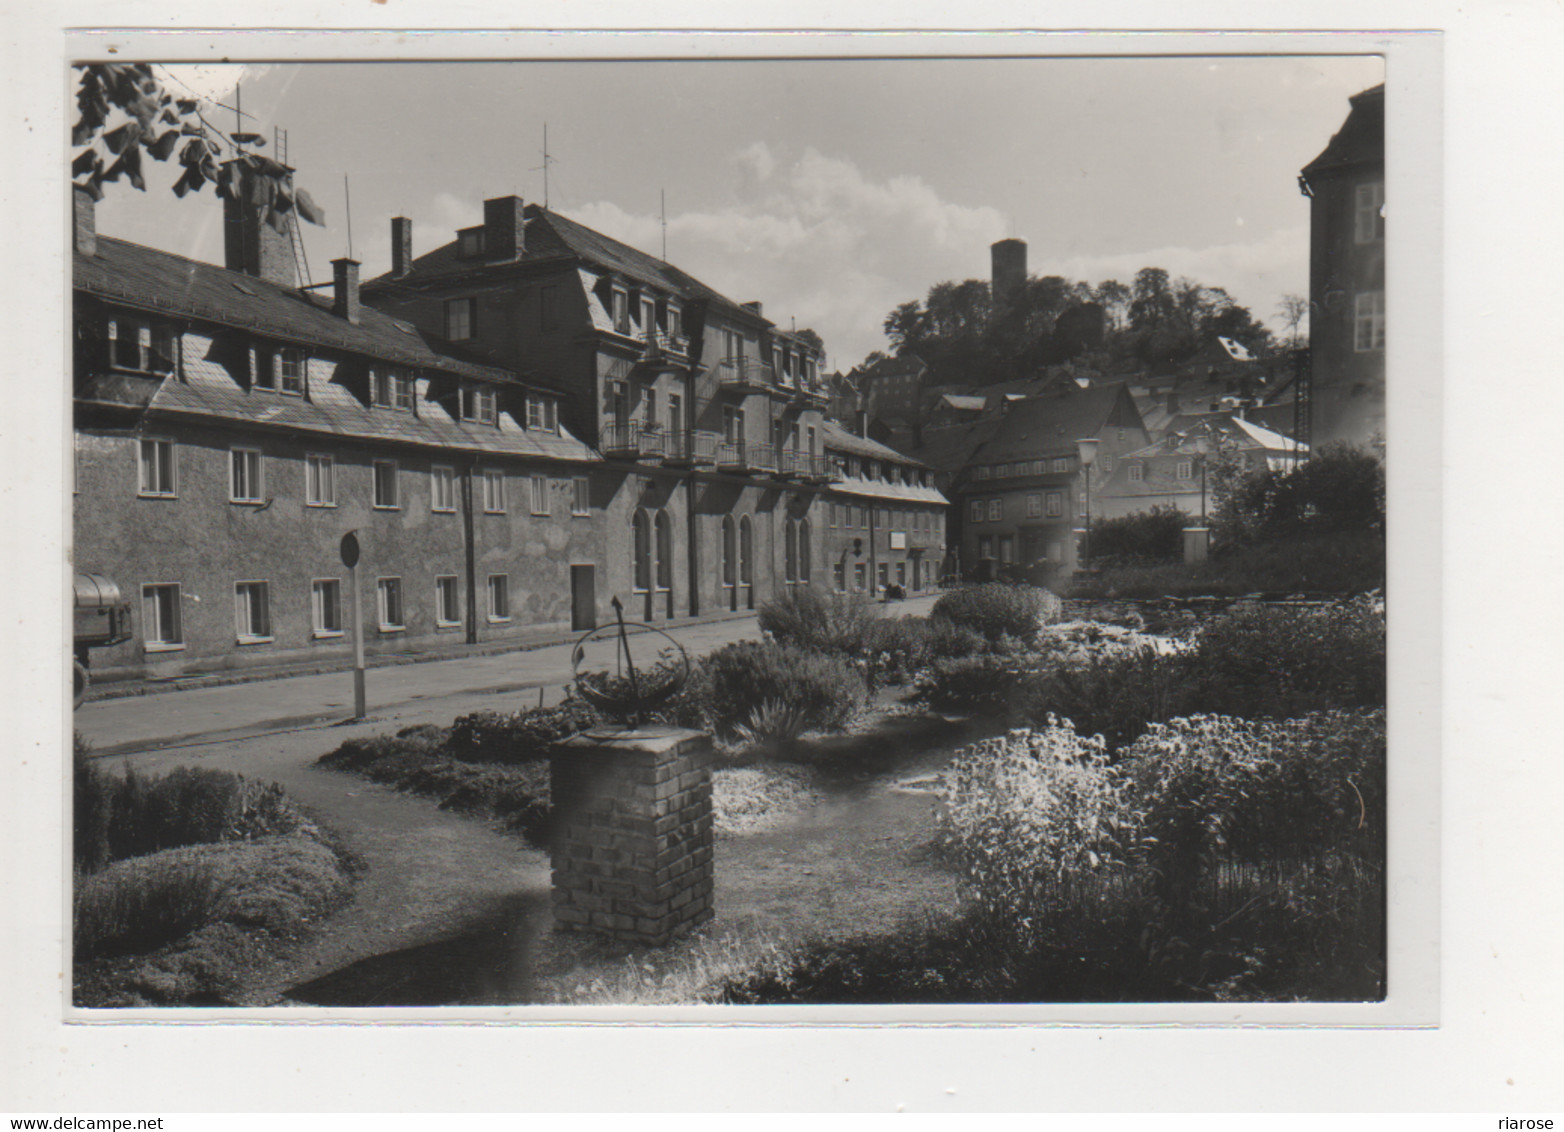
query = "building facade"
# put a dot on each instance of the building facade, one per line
(1347, 308)
(512, 447)
(1173, 471)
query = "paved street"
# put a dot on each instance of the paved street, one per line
(429, 692)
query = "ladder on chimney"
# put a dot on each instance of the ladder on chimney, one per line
(301, 259)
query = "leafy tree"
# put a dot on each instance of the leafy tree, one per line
(1291, 310)
(124, 114)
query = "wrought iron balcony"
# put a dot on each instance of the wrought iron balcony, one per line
(823, 469)
(812, 393)
(746, 374)
(663, 348)
(688, 447)
(634, 440)
(739, 456)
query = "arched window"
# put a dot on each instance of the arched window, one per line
(746, 552)
(804, 555)
(790, 551)
(730, 551)
(664, 551)
(641, 525)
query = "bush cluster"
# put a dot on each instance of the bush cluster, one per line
(517, 736)
(1265, 662)
(1338, 488)
(817, 619)
(1144, 537)
(997, 610)
(130, 815)
(727, 686)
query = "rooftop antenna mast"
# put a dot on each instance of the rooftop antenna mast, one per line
(547, 161)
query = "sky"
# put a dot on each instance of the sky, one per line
(832, 190)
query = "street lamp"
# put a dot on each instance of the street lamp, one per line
(1087, 449)
(1203, 449)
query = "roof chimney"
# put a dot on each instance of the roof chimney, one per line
(345, 289)
(86, 221)
(1009, 271)
(401, 246)
(754, 308)
(504, 229)
(250, 243)
(861, 425)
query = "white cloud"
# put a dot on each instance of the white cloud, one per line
(819, 244)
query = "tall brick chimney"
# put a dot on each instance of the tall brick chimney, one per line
(85, 222)
(504, 229)
(1009, 271)
(401, 246)
(345, 289)
(250, 244)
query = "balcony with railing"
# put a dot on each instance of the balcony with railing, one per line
(748, 375)
(741, 456)
(812, 393)
(633, 440)
(662, 348)
(690, 447)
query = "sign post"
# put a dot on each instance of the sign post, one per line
(350, 560)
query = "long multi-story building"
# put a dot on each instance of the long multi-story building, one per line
(514, 440)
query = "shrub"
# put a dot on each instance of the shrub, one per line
(817, 619)
(995, 609)
(137, 906)
(1146, 536)
(734, 679)
(1339, 487)
(92, 807)
(521, 736)
(972, 683)
(1115, 695)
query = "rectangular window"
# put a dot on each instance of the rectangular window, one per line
(1136, 473)
(442, 488)
(1034, 505)
(139, 345)
(675, 322)
(996, 510)
(648, 319)
(161, 621)
(290, 371)
(1106, 461)
(320, 480)
(326, 607)
(1186, 469)
(252, 612)
(534, 413)
(389, 593)
(494, 491)
(263, 369)
(982, 472)
(1055, 504)
(1061, 463)
(732, 344)
(860, 577)
(246, 481)
(621, 311)
(978, 510)
(403, 386)
(380, 392)
(157, 468)
(1369, 213)
(1369, 321)
(499, 597)
(675, 412)
(461, 319)
(447, 601)
(581, 496)
(540, 495)
(480, 404)
(385, 485)
(471, 242)
(985, 546)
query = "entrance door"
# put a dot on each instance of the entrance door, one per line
(583, 598)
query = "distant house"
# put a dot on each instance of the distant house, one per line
(1014, 478)
(1169, 472)
(1347, 310)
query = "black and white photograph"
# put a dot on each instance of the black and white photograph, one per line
(779, 532)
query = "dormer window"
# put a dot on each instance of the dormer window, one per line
(542, 413)
(141, 345)
(675, 322)
(648, 318)
(480, 404)
(621, 310)
(391, 389)
(290, 371)
(470, 242)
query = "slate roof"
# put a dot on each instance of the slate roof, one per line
(148, 279)
(1051, 424)
(1361, 139)
(838, 439)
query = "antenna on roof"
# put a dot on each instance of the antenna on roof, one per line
(347, 198)
(547, 160)
(239, 114)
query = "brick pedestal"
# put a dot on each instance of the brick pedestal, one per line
(632, 832)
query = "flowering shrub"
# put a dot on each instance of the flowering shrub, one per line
(995, 609)
(518, 736)
(815, 619)
(973, 683)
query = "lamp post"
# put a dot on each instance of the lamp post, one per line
(1086, 447)
(1203, 449)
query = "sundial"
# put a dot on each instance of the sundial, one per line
(626, 670)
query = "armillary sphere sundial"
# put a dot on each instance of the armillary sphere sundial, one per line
(626, 671)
